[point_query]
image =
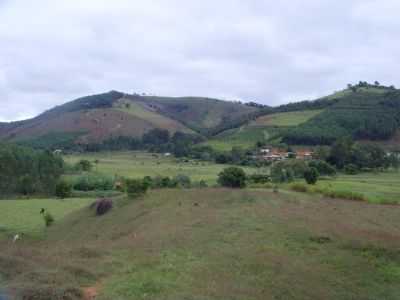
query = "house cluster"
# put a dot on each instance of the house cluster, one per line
(276, 154)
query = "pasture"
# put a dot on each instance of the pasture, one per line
(381, 187)
(244, 137)
(140, 164)
(233, 244)
(287, 118)
(22, 216)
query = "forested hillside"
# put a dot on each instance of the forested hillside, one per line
(361, 114)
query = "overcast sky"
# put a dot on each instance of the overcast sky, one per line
(52, 51)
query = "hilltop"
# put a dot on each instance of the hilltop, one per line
(95, 118)
(363, 112)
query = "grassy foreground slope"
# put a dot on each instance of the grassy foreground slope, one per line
(214, 244)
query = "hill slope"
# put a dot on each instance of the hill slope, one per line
(200, 114)
(366, 112)
(360, 115)
(246, 244)
(95, 118)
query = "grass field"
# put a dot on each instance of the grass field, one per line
(154, 118)
(244, 137)
(262, 129)
(139, 164)
(377, 188)
(233, 244)
(287, 119)
(22, 216)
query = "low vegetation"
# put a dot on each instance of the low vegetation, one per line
(232, 177)
(165, 246)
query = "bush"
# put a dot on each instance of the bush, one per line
(281, 175)
(84, 165)
(260, 178)
(203, 184)
(91, 182)
(63, 189)
(299, 187)
(232, 177)
(343, 195)
(311, 175)
(48, 219)
(147, 180)
(323, 167)
(135, 187)
(102, 206)
(27, 185)
(183, 181)
(350, 169)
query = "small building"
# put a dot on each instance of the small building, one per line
(304, 154)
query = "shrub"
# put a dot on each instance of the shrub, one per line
(280, 174)
(147, 180)
(311, 175)
(260, 178)
(341, 194)
(183, 181)
(84, 165)
(232, 177)
(27, 185)
(63, 189)
(102, 206)
(323, 167)
(48, 219)
(202, 184)
(91, 182)
(135, 187)
(350, 169)
(299, 187)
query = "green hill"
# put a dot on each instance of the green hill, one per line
(361, 115)
(363, 112)
(266, 128)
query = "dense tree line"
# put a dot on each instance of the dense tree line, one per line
(345, 152)
(27, 171)
(156, 140)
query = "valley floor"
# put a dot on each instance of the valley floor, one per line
(211, 243)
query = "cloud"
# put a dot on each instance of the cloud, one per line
(267, 51)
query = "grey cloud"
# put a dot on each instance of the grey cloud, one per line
(269, 51)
